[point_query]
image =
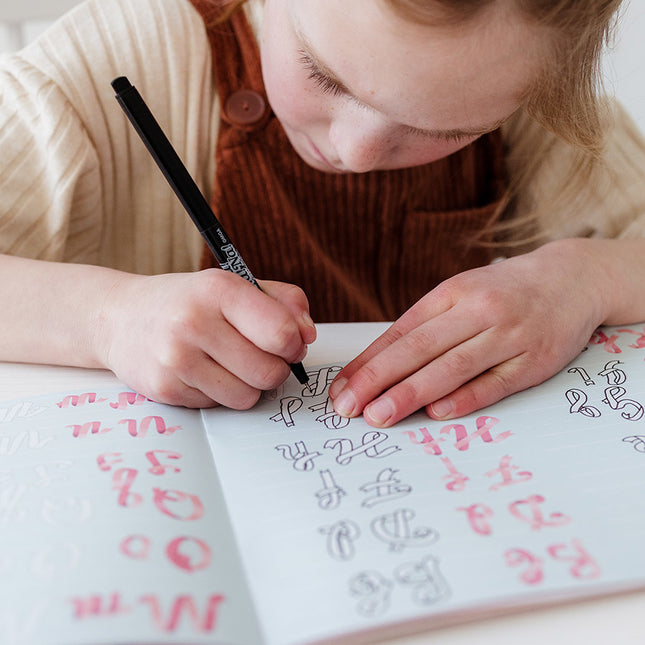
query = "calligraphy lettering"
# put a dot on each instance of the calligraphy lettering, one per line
(583, 566)
(185, 605)
(427, 581)
(506, 471)
(429, 443)
(329, 418)
(478, 515)
(534, 573)
(578, 404)
(456, 480)
(614, 399)
(340, 539)
(330, 495)
(535, 518)
(194, 507)
(368, 447)
(157, 467)
(483, 424)
(302, 459)
(82, 430)
(386, 488)
(122, 481)
(395, 529)
(374, 592)
(288, 407)
(128, 398)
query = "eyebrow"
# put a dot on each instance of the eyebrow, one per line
(324, 69)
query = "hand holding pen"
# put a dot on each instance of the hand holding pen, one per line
(235, 339)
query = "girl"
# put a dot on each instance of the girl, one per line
(378, 153)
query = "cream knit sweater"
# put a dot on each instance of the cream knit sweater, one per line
(77, 184)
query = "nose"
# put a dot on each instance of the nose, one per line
(362, 140)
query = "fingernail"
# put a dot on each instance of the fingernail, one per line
(302, 354)
(381, 411)
(345, 404)
(442, 408)
(308, 320)
(309, 323)
(336, 387)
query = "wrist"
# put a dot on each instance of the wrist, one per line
(598, 263)
(111, 316)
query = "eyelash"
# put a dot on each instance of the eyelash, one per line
(322, 81)
(451, 138)
(329, 86)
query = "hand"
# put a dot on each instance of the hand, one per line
(197, 339)
(481, 336)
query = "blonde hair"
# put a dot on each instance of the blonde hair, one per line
(567, 100)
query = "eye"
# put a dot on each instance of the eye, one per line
(453, 137)
(323, 82)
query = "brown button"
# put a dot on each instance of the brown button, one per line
(245, 107)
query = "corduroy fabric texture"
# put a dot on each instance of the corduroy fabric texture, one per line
(364, 247)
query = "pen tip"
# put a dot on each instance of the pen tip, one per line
(300, 373)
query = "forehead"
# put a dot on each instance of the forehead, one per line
(449, 76)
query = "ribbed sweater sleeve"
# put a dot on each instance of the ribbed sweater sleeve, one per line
(608, 202)
(76, 183)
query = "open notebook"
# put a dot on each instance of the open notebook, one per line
(125, 521)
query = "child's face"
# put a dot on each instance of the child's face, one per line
(358, 88)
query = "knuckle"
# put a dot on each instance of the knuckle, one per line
(174, 356)
(219, 286)
(182, 324)
(466, 400)
(169, 391)
(448, 292)
(407, 397)
(244, 400)
(367, 377)
(459, 363)
(420, 342)
(269, 374)
(296, 295)
(502, 382)
(287, 335)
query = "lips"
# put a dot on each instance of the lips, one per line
(323, 159)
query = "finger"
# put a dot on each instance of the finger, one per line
(209, 380)
(488, 388)
(166, 387)
(225, 347)
(178, 394)
(408, 355)
(525, 370)
(436, 380)
(267, 323)
(438, 302)
(294, 298)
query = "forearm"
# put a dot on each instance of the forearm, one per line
(51, 312)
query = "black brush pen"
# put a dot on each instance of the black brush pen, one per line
(185, 188)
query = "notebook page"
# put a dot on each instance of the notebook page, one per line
(343, 528)
(112, 527)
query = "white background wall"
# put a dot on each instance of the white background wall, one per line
(22, 20)
(625, 62)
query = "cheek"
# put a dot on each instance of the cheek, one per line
(287, 98)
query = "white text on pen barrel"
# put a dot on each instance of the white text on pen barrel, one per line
(235, 263)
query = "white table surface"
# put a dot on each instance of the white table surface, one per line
(613, 620)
